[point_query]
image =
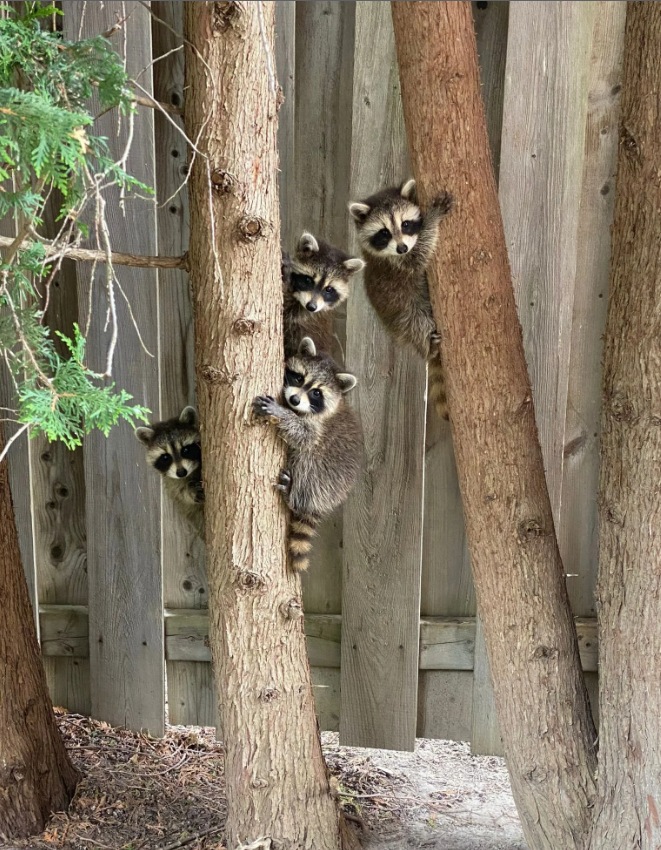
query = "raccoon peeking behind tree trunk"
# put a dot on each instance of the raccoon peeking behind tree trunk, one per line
(315, 280)
(173, 449)
(324, 443)
(398, 242)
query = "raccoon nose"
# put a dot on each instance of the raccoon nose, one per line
(402, 249)
(295, 400)
(311, 306)
(181, 472)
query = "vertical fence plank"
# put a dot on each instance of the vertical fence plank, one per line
(578, 518)
(383, 519)
(541, 168)
(123, 504)
(189, 683)
(491, 25)
(322, 139)
(285, 57)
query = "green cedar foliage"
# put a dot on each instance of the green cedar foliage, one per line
(46, 144)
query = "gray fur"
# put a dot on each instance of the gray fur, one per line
(170, 436)
(396, 285)
(324, 450)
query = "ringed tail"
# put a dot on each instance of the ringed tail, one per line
(302, 530)
(437, 393)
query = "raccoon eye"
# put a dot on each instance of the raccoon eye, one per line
(315, 394)
(293, 379)
(301, 282)
(330, 290)
(384, 233)
(406, 226)
(191, 451)
(163, 462)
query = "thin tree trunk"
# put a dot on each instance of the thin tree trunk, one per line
(277, 781)
(629, 593)
(542, 703)
(36, 776)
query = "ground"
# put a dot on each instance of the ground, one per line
(142, 793)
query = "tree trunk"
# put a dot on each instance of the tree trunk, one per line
(629, 593)
(36, 776)
(277, 782)
(541, 699)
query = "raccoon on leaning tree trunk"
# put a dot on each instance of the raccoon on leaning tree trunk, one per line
(398, 242)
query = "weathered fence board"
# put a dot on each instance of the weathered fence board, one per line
(123, 500)
(578, 535)
(383, 517)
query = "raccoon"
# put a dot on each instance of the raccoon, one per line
(173, 448)
(324, 440)
(315, 279)
(398, 242)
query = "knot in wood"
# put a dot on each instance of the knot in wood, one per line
(545, 652)
(530, 528)
(225, 14)
(291, 609)
(269, 694)
(249, 580)
(629, 144)
(222, 180)
(252, 227)
(621, 408)
(213, 375)
(245, 326)
(480, 257)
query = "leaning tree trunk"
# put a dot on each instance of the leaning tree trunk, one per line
(629, 590)
(36, 776)
(277, 782)
(541, 699)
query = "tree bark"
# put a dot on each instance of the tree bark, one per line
(36, 776)
(277, 781)
(629, 591)
(540, 695)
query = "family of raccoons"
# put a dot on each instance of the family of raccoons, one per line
(321, 431)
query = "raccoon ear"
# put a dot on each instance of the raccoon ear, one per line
(353, 265)
(188, 416)
(359, 211)
(346, 380)
(307, 347)
(307, 244)
(408, 190)
(144, 434)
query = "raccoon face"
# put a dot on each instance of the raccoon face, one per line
(313, 385)
(173, 446)
(320, 274)
(388, 223)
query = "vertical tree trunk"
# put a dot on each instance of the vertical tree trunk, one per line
(277, 782)
(629, 593)
(36, 776)
(542, 704)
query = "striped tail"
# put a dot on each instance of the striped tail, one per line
(302, 530)
(436, 377)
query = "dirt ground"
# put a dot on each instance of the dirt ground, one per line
(142, 793)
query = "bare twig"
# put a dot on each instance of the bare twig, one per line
(190, 838)
(88, 255)
(152, 103)
(3, 453)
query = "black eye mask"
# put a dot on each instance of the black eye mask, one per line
(381, 239)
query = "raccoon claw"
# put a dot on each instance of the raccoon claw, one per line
(263, 405)
(284, 481)
(443, 203)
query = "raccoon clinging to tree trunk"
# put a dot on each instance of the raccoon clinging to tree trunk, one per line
(324, 443)
(316, 279)
(173, 449)
(398, 242)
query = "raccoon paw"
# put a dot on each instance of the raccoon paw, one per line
(284, 481)
(264, 405)
(443, 203)
(435, 339)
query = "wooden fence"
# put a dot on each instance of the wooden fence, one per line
(395, 648)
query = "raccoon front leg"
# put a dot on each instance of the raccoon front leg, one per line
(293, 429)
(428, 236)
(284, 482)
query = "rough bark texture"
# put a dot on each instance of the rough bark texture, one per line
(629, 595)
(542, 704)
(277, 782)
(36, 776)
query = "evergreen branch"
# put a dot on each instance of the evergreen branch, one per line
(89, 255)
